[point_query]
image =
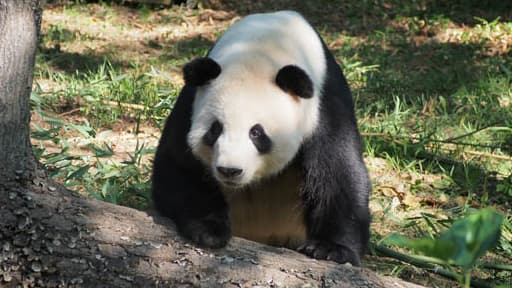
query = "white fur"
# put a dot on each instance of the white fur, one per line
(250, 54)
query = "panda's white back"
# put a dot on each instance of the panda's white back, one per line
(258, 45)
(279, 38)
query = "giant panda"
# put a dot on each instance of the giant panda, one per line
(263, 143)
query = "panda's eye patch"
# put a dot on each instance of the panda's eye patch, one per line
(213, 133)
(256, 131)
(260, 139)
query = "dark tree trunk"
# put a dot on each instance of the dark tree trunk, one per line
(19, 27)
(51, 237)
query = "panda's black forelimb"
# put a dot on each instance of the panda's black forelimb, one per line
(181, 189)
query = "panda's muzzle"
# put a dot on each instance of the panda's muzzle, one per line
(229, 172)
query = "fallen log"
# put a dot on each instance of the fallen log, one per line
(51, 237)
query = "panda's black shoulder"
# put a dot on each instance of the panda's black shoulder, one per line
(173, 141)
(175, 169)
(335, 86)
(337, 128)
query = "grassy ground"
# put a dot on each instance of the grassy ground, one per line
(432, 83)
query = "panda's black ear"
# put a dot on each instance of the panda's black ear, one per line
(201, 70)
(295, 81)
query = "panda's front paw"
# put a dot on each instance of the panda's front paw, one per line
(212, 231)
(326, 250)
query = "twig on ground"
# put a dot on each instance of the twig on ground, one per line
(451, 139)
(426, 141)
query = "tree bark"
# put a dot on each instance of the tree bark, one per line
(52, 237)
(19, 27)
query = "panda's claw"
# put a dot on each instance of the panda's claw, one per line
(325, 250)
(209, 240)
(207, 232)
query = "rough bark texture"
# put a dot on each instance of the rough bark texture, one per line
(19, 26)
(52, 237)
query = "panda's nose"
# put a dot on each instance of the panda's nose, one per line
(229, 172)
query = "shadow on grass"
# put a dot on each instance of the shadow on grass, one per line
(359, 17)
(73, 63)
(430, 69)
(424, 74)
(183, 50)
(468, 178)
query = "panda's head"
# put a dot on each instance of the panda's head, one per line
(248, 123)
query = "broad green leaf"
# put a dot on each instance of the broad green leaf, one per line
(473, 236)
(463, 243)
(441, 249)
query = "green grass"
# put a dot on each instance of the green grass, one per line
(106, 94)
(432, 87)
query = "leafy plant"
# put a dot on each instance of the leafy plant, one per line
(125, 183)
(505, 186)
(461, 245)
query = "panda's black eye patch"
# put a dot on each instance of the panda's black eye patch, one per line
(213, 133)
(260, 139)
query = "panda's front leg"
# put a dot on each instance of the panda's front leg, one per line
(194, 204)
(335, 196)
(203, 216)
(209, 231)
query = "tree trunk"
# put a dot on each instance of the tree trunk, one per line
(50, 237)
(19, 27)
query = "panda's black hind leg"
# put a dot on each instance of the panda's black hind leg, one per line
(337, 215)
(330, 251)
(336, 194)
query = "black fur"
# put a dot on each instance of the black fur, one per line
(260, 139)
(336, 185)
(182, 189)
(199, 71)
(213, 133)
(295, 81)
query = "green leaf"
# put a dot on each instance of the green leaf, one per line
(440, 249)
(82, 129)
(474, 235)
(57, 157)
(79, 172)
(105, 151)
(463, 243)
(39, 133)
